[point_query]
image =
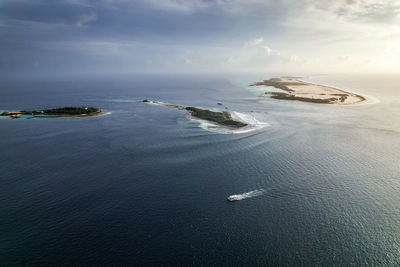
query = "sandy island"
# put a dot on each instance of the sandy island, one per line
(302, 91)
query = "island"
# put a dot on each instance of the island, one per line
(223, 118)
(296, 89)
(55, 112)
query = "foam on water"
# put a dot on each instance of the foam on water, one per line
(369, 100)
(252, 124)
(254, 193)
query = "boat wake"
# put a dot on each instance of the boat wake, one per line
(254, 193)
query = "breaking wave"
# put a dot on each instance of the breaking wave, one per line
(252, 124)
(254, 193)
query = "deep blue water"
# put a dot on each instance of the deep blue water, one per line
(146, 185)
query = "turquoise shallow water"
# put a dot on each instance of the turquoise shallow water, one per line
(147, 185)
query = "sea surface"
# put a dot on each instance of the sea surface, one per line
(146, 185)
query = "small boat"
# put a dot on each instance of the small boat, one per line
(233, 198)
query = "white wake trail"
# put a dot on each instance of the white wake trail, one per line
(254, 193)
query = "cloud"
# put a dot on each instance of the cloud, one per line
(342, 58)
(254, 42)
(180, 6)
(231, 60)
(235, 7)
(370, 11)
(219, 33)
(85, 19)
(188, 61)
(267, 50)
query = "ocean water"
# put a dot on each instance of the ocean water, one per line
(146, 185)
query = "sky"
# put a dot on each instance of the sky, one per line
(294, 36)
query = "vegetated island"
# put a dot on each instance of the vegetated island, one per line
(55, 112)
(222, 118)
(302, 91)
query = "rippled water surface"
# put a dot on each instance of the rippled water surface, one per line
(147, 185)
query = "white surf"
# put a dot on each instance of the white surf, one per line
(252, 124)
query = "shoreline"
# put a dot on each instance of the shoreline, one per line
(234, 123)
(72, 116)
(217, 128)
(368, 99)
(296, 89)
(66, 112)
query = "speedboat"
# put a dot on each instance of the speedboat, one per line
(233, 198)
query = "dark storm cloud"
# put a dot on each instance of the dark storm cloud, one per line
(41, 35)
(130, 19)
(60, 12)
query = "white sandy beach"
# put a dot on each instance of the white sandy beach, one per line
(310, 92)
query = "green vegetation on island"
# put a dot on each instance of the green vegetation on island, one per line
(275, 82)
(222, 118)
(285, 96)
(55, 112)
